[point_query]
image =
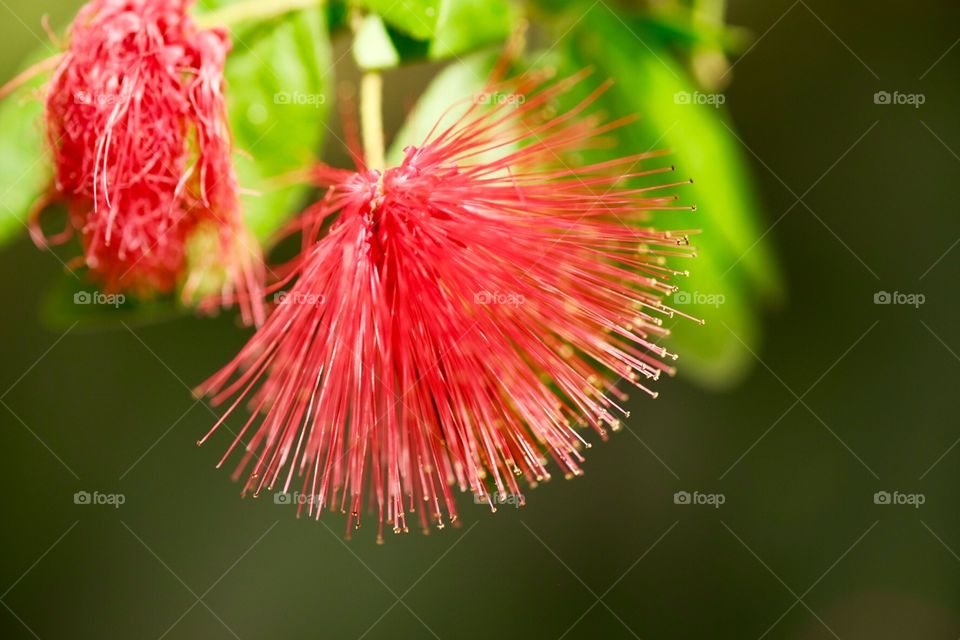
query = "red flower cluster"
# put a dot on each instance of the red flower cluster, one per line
(454, 321)
(137, 124)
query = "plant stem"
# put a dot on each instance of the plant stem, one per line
(371, 119)
(253, 10)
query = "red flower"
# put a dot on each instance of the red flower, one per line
(454, 320)
(137, 125)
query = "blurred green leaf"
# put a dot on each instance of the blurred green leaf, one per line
(435, 29)
(417, 18)
(338, 16)
(372, 46)
(467, 25)
(734, 261)
(458, 80)
(278, 96)
(25, 168)
(407, 47)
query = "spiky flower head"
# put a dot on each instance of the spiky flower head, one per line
(137, 125)
(457, 321)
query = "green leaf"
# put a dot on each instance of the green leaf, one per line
(734, 260)
(417, 18)
(458, 80)
(467, 25)
(447, 27)
(279, 77)
(372, 46)
(25, 168)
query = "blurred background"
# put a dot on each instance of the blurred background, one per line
(813, 496)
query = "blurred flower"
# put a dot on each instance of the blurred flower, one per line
(457, 319)
(137, 125)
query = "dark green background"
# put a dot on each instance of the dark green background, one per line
(799, 519)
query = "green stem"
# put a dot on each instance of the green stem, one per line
(371, 119)
(253, 10)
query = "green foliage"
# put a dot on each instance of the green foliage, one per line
(417, 18)
(459, 80)
(466, 25)
(734, 262)
(433, 29)
(372, 45)
(278, 92)
(25, 169)
(280, 78)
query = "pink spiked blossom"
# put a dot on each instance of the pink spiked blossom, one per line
(137, 124)
(457, 320)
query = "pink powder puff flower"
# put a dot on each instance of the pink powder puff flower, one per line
(457, 320)
(137, 125)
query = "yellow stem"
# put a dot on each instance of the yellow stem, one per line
(371, 119)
